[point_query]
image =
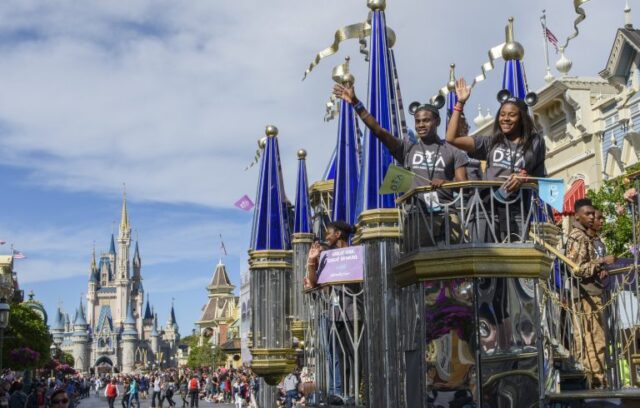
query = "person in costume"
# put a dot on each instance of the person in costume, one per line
(582, 249)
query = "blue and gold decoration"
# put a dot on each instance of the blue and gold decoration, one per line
(271, 218)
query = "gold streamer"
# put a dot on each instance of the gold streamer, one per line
(495, 53)
(333, 109)
(359, 31)
(261, 144)
(582, 15)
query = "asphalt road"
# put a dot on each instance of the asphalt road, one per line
(101, 402)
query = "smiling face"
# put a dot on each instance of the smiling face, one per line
(426, 123)
(509, 119)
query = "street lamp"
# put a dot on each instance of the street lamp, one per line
(4, 323)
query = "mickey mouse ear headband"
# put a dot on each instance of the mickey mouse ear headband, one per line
(434, 106)
(505, 96)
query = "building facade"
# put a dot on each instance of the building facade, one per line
(117, 332)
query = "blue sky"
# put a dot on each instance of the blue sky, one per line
(171, 97)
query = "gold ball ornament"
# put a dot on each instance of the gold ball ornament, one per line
(302, 154)
(377, 4)
(451, 85)
(512, 50)
(271, 131)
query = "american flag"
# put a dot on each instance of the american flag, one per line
(223, 249)
(18, 255)
(552, 38)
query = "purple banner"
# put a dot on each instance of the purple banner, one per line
(342, 265)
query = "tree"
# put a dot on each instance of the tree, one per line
(200, 356)
(618, 230)
(219, 356)
(26, 330)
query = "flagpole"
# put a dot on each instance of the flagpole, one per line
(543, 20)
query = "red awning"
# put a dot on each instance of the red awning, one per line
(576, 192)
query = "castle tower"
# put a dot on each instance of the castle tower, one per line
(218, 313)
(137, 289)
(57, 328)
(80, 339)
(129, 340)
(147, 321)
(154, 335)
(94, 284)
(171, 335)
(122, 281)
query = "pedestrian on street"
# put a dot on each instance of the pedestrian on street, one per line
(156, 391)
(133, 393)
(183, 391)
(111, 392)
(60, 399)
(194, 389)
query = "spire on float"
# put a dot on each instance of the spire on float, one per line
(330, 171)
(452, 98)
(345, 185)
(302, 216)
(270, 218)
(375, 157)
(513, 79)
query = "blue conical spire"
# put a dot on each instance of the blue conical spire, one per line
(330, 171)
(345, 187)
(376, 158)
(58, 323)
(80, 319)
(112, 248)
(514, 79)
(130, 319)
(147, 310)
(302, 215)
(270, 218)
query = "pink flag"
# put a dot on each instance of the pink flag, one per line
(244, 203)
(18, 255)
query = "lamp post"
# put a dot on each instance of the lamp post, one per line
(5, 309)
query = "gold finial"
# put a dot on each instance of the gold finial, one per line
(451, 85)
(512, 49)
(302, 154)
(341, 73)
(377, 5)
(271, 131)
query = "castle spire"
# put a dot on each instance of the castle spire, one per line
(301, 216)
(627, 16)
(124, 217)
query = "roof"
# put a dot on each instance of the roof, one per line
(231, 345)
(625, 47)
(220, 277)
(218, 308)
(80, 319)
(104, 319)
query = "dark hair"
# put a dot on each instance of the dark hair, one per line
(429, 108)
(345, 229)
(56, 392)
(527, 129)
(583, 202)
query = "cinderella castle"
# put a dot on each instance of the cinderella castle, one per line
(116, 333)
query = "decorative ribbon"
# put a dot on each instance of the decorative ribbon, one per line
(494, 54)
(261, 144)
(359, 31)
(333, 109)
(581, 17)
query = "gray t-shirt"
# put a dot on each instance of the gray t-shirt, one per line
(431, 161)
(503, 159)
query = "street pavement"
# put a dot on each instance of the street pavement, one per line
(101, 402)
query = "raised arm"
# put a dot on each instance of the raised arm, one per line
(462, 142)
(348, 95)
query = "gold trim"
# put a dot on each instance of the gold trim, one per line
(379, 223)
(322, 186)
(272, 364)
(270, 259)
(298, 328)
(513, 261)
(302, 238)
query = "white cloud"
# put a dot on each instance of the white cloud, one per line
(171, 97)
